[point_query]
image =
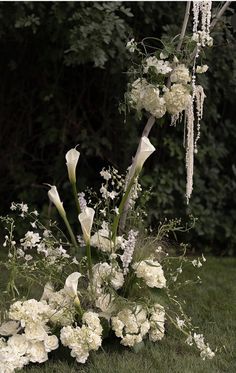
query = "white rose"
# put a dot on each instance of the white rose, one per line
(37, 353)
(9, 328)
(35, 331)
(51, 343)
(18, 343)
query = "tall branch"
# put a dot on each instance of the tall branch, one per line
(184, 26)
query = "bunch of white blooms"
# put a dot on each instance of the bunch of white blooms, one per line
(157, 321)
(176, 98)
(30, 311)
(180, 74)
(131, 326)
(146, 96)
(151, 272)
(137, 93)
(131, 45)
(34, 343)
(128, 247)
(30, 240)
(152, 102)
(83, 339)
(206, 352)
(160, 66)
(102, 239)
(105, 274)
(201, 69)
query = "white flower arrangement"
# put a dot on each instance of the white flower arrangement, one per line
(108, 282)
(104, 274)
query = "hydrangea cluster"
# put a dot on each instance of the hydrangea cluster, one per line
(35, 340)
(151, 272)
(82, 340)
(157, 99)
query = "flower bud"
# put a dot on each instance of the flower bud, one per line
(71, 284)
(72, 157)
(55, 198)
(86, 221)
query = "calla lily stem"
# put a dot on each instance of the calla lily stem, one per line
(121, 207)
(88, 253)
(72, 236)
(76, 197)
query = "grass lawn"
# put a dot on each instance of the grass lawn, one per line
(212, 306)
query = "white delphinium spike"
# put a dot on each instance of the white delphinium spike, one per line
(129, 246)
(82, 201)
(189, 117)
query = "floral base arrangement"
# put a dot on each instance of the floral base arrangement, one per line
(106, 277)
(99, 283)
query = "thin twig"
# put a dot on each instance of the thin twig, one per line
(219, 14)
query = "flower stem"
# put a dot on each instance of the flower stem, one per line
(72, 236)
(76, 197)
(88, 253)
(121, 208)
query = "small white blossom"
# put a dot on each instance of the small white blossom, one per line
(131, 46)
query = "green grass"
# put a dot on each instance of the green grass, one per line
(212, 306)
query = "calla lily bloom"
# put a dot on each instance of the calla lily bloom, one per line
(144, 151)
(71, 284)
(86, 221)
(72, 157)
(55, 198)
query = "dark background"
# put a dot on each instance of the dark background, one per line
(63, 76)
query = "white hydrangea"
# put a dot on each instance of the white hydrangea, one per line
(29, 311)
(83, 339)
(152, 102)
(180, 74)
(151, 272)
(137, 93)
(157, 323)
(176, 98)
(160, 66)
(131, 326)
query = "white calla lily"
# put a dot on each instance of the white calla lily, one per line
(71, 284)
(72, 157)
(86, 221)
(144, 151)
(55, 198)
